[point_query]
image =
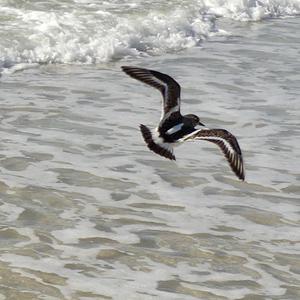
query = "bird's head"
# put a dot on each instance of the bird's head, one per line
(195, 119)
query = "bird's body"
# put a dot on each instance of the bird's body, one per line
(175, 128)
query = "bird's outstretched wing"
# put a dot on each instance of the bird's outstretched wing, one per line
(227, 143)
(159, 147)
(168, 87)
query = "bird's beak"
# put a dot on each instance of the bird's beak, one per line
(201, 124)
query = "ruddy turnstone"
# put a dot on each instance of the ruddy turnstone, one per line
(175, 128)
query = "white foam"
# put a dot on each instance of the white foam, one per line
(252, 10)
(88, 32)
(96, 36)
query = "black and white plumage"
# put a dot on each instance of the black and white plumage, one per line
(175, 128)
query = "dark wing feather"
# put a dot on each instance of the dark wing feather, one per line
(168, 87)
(227, 143)
(155, 147)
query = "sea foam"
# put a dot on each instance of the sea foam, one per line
(89, 32)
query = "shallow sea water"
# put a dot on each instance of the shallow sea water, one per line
(87, 212)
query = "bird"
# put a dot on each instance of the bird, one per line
(174, 128)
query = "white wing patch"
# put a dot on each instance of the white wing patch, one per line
(163, 102)
(227, 145)
(187, 137)
(168, 114)
(174, 129)
(159, 141)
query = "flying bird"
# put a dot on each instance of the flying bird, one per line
(175, 128)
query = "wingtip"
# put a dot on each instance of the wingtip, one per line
(243, 177)
(142, 126)
(123, 68)
(239, 173)
(238, 169)
(127, 68)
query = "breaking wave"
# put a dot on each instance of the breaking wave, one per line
(89, 32)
